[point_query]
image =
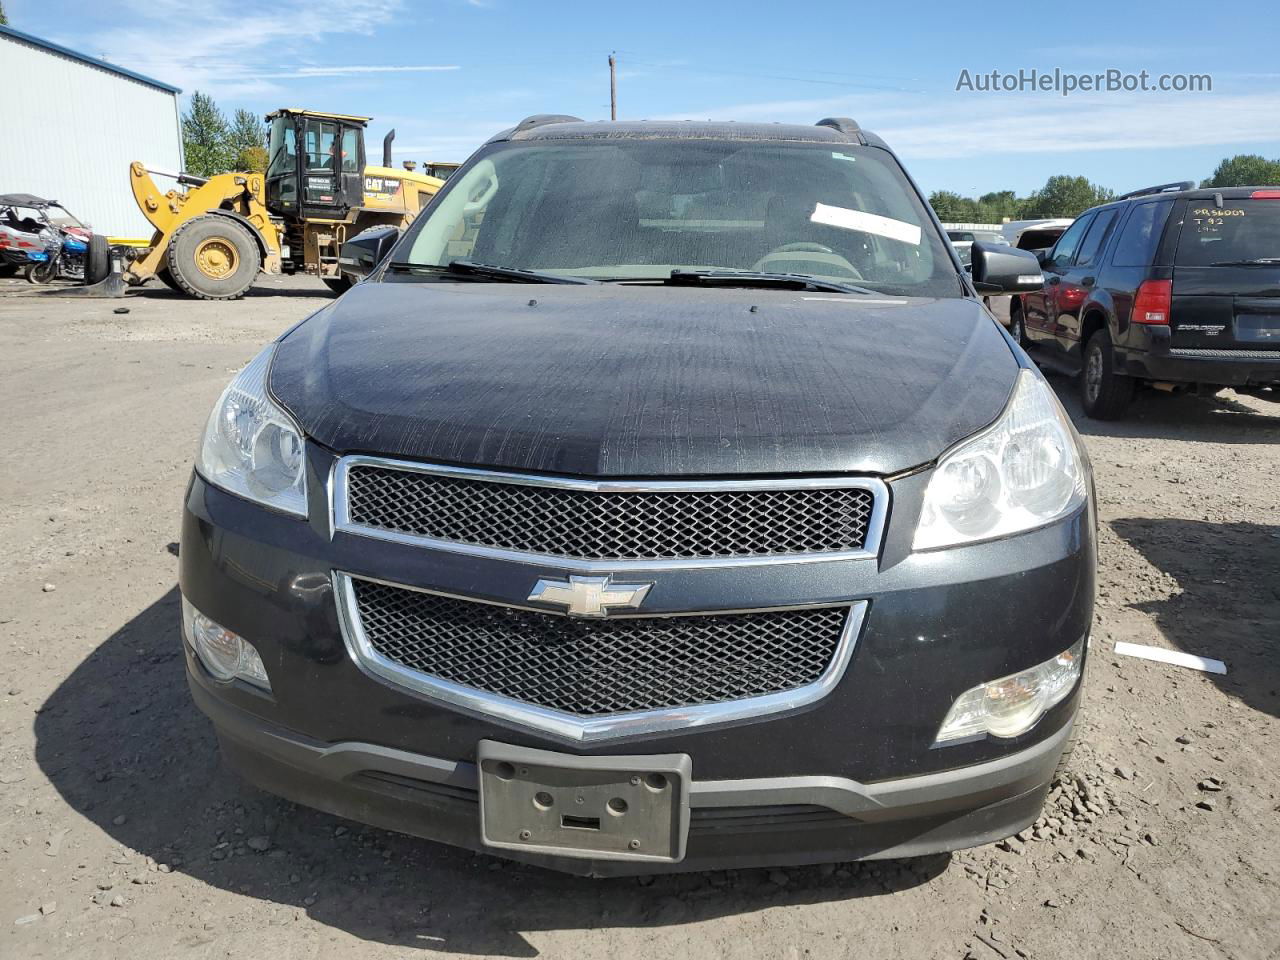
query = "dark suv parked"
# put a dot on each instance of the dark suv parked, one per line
(664, 499)
(1170, 285)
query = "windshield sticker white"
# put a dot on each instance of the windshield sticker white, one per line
(844, 156)
(847, 219)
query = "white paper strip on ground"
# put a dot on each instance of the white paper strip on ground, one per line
(847, 219)
(1176, 657)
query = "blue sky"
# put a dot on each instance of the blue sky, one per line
(449, 73)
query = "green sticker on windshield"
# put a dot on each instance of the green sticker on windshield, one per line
(844, 156)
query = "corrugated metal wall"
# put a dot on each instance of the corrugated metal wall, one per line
(68, 132)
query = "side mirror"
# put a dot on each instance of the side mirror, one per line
(1000, 269)
(366, 250)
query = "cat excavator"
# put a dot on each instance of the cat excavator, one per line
(212, 239)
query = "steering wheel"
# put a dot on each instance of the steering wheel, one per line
(802, 246)
(835, 264)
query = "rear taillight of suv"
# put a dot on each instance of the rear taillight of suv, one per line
(1153, 301)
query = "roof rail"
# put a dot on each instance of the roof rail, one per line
(1160, 188)
(541, 119)
(846, 126)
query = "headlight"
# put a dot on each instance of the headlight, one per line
(226, 655)
(1022, 472)
(251, 447)
(1012, 705)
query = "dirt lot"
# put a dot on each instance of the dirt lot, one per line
(120, 834)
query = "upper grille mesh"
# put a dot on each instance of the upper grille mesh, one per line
(589, 525)
(595, 667)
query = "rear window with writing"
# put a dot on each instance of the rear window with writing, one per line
(1239, 231)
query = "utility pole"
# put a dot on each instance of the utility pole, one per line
(613, 87)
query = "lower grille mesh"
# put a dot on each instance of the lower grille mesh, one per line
(598, 667)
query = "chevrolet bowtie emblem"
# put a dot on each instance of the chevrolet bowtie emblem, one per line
(589, 596)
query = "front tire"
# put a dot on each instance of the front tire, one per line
(164, 277)
(1104, 394)
(213, 258)
(43, 271)
(97, 260)
(1016, 328)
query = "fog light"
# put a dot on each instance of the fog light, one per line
(226, 655)
(1012, 705)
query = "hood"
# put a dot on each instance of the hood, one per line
(640, 381)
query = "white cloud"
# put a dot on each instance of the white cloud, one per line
(949, 126)
(304, 72)
(1077, 124)
(223, 52)
(1120, 53)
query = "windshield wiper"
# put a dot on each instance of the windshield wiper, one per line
(484, 271)
(1255, 262)
(752, 278)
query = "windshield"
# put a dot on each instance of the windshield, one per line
(33, 219)
(639, 209)
(1238, 230)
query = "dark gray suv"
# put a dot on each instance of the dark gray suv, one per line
(664, 498)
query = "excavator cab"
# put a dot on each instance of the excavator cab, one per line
(315, 168)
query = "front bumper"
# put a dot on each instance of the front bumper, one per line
(755, 822)
(853, 775)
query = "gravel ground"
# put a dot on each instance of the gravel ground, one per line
(121, 835)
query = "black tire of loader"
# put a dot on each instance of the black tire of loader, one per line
(97, 260)
(162, 274)
(180, 258)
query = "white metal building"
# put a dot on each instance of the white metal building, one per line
(70, 125)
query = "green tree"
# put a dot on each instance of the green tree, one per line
(953, 208)
(995, 207)
(1244, 170)
(3, 19)
(1064, 196)
(206, 137)
(247, 141)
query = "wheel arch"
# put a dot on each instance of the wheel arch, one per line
(245, 222)
(1094, 318)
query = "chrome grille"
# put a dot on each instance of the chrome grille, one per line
(599, 522)
(598, 667)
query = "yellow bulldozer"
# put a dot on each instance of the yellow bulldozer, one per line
(213, 239)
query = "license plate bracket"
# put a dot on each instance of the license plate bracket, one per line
(598, 808)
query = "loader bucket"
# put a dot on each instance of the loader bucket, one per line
(110, 287)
